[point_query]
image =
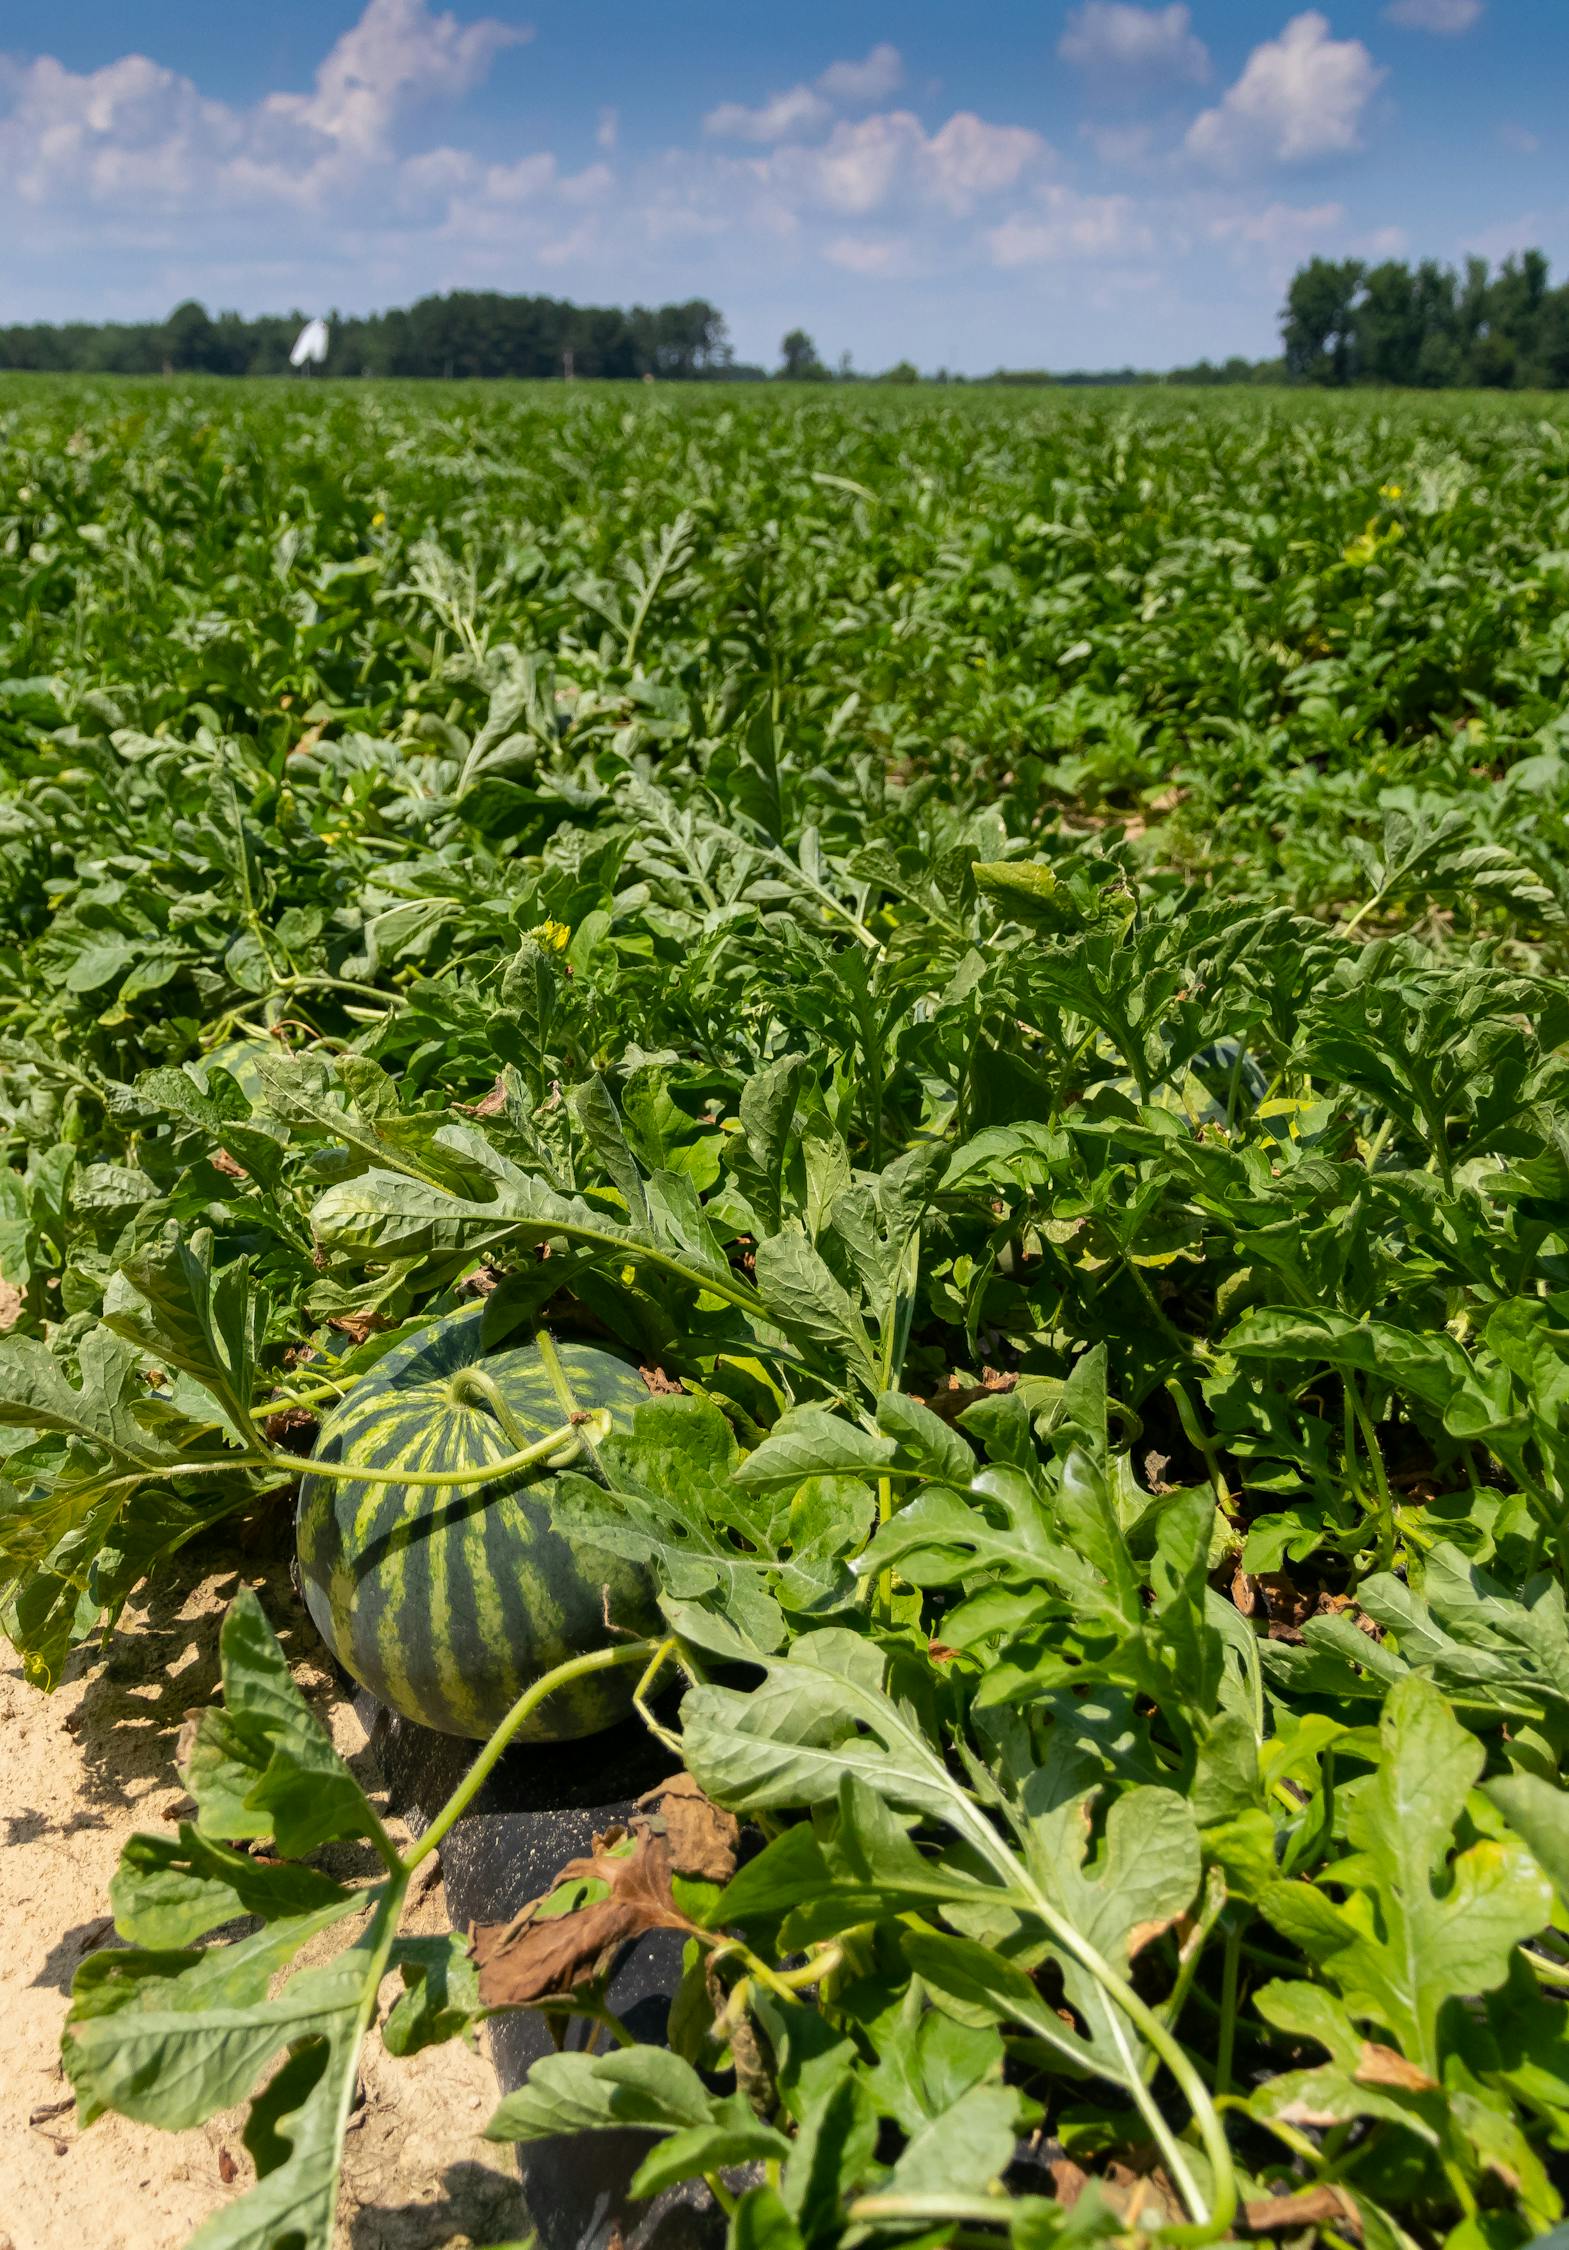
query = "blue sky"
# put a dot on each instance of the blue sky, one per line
(1030, 182)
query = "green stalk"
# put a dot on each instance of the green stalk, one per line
(531, 1456)
(575, 1668)
(478, 1383)
(291, 1465)
(388, 1000)
(967, 1820)
(1231, 1963)
(1193, 1430)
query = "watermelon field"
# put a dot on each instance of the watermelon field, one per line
(883, 1079)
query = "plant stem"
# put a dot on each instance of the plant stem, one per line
(575, 1668)
(1231, 1961)
(1193, 1430)
(528, 1457)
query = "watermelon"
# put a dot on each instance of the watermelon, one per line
(448, 1602)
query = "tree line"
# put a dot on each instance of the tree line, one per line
(469, 333)
(1428, 326)
(1344, 322)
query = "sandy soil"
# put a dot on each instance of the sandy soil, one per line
(78, 1771)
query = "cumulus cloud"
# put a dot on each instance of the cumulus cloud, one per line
(397, 55)
(608, 131)
(877, 257)
(1284, 227)
(132, 127)
(871, 161)
(1299, 96)
(805, 110)
(878, 74)
(797, 110)
(1448, 18)
(1113, 38)
(1065, 224)
(1123, 147)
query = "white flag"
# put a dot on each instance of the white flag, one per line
(310, 345)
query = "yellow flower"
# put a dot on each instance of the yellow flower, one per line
(556, 935)
(1391, 491)
(378, 519)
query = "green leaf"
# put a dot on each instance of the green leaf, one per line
(265, 1764)
(667, 1496)
(170, 1303)
(167, 1894)
(926, 1442)
(831, 2155)
(1421, 1921)
(441, 1999)
(35, 1394)
(964, 2151)
(577, 2093)
(735, 2138)
(1537, 1811)
(801, 1296)
(761, 2222)
(807, 1442)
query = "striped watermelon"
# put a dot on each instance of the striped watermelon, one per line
(447, 1602)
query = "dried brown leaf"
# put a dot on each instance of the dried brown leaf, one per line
(1281, 2214)
(488, 1105)
(702, 1837)
(535, 1956)
(1145, 1933)
(1284, 1599)
(1382, 2066)
(951, 1403)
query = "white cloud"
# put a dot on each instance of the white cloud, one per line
(396, 56)
(968, 158)
(1300, 96)
(1120, 146)
(878, 74)
(1448, 18)
(99, 136)
(856, 168)
(1110, 37)
(1385, 242)
(806, 110)
(522, 182)
(1519, 139)
(878, 257)
(866, 164)
(798, 110)
(1066, 224)
(1279, 226)
(608, 131)
(135, 129)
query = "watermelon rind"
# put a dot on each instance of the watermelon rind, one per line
(447, 1603)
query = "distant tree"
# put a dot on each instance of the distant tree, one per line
(1389, 326)
(902, 371)
(191, 342)
(799, 357)
(1428, 326)
(1316, 326)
